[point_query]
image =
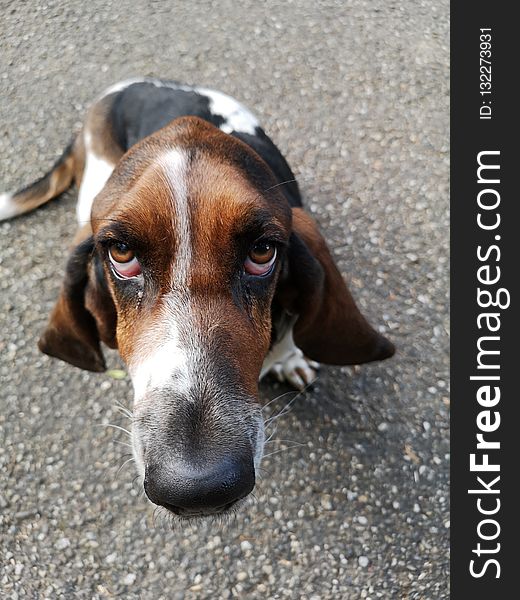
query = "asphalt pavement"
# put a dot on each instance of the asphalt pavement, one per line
(354, 499)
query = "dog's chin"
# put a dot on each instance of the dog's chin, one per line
(222, 516)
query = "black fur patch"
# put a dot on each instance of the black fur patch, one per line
(266, 149)
(143, 108)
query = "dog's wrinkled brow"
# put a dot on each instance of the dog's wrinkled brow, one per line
(261, 221)
(116, 231)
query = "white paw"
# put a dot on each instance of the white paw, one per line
(296, 369)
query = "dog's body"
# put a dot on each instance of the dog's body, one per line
(195, 259)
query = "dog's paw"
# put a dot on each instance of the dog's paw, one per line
(296, 369)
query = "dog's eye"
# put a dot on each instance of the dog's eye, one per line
(124, 261)
(260, 259)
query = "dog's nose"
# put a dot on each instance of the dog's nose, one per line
(190, 490)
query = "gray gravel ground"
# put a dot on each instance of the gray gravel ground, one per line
(356, 94)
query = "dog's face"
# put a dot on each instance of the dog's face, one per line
(191, 254)
(192, 246)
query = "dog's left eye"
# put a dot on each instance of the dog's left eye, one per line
(260, 259)
(124, 261)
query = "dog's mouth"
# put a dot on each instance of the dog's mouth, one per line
(186, 514)
(198, 513)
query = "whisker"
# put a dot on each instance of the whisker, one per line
(122, 443)
(273, 433)
(154, 515)
(119, 403)
(279, 184)
(124, 411)
(262, 470)
(116, 427)
(278, 398)
(127, 454)
(285, 441)
(121, 467)
(283, 450)
(286, 408)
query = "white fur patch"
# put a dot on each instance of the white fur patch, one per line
(174, 166)
(96, 174)
(8, 208)
(289, 364)
(238, 117)
(167, 363)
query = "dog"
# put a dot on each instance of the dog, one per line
(195, 259)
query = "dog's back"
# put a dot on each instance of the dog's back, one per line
(126, 113)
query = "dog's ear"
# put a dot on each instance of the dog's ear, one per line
(329, 327)
(83, 315)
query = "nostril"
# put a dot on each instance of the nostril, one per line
(184, 488)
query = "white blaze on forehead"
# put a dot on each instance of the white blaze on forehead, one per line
(163, 356)
(174, 166)
(96, 174)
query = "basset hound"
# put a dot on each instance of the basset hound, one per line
(195, 259)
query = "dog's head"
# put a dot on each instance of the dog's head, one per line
(193, 247)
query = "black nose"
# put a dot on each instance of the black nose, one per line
(189, 490)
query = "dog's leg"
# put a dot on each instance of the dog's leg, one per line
(287, 362)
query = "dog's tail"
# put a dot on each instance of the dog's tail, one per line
(51, 185)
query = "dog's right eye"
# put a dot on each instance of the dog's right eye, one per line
(260, 259)
(123, 261)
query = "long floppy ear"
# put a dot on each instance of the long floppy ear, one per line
(83, 315)
(329, 327)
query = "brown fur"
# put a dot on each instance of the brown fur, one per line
(99, 125)
(52, 184)
(222, 199)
